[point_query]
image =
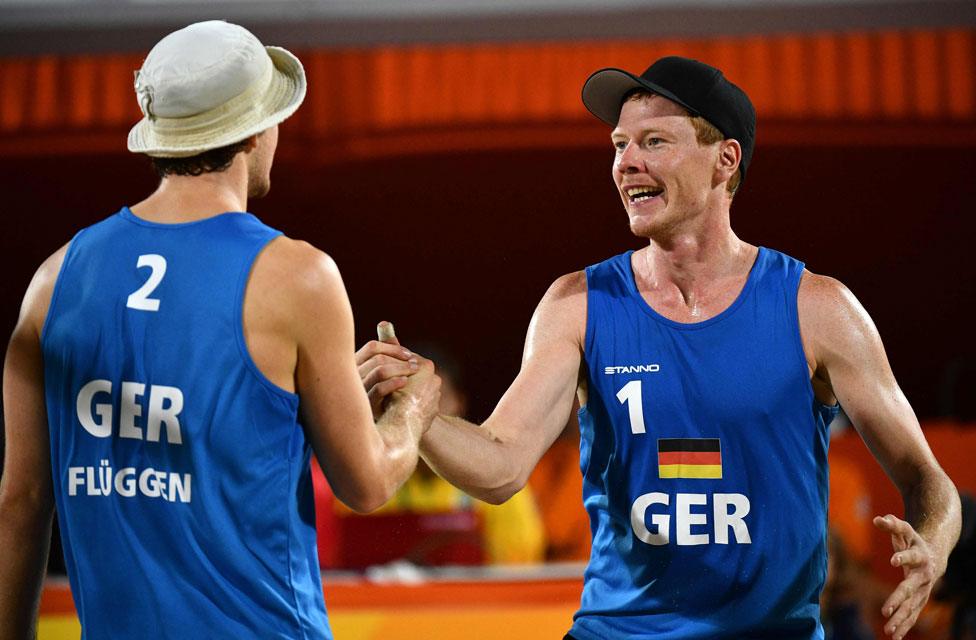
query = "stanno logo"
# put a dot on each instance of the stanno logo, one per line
(637, 368)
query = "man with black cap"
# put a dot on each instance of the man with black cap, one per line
(707, 370)
(152, 384)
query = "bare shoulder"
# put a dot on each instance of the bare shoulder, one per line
(291, 274)
(293, 288)
(295, 264)
(569, 285)
(562, 309)
(831, 317)
(37, 299)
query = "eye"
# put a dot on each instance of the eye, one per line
(653, 142)
(620, 145)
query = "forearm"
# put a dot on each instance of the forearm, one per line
(400, 428)
(932, 507)
(472, 458)
(25, 534)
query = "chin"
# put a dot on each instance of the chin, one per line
(259, 190)
(644, 226)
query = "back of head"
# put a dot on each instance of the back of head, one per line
(211, 85)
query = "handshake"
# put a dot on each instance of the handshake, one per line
(396, 377)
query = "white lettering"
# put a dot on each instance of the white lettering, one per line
(75, 480)
(164, 415)
(148, 483)
(662, 522)
(130, 410)
(179, 486)
(638, 368)
(125, 482)
(165, 406)
(90, 482)
(736, 519)
(104, 478)
(102, 428)
(685, 519)
(128, 482)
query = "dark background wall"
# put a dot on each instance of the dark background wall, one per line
(457, 248)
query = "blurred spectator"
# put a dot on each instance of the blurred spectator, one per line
(558, 478)
(841, 602)
(958, 586)
(849, 509)
(429, 521)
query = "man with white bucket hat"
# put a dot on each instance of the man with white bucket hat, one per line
(152, 383)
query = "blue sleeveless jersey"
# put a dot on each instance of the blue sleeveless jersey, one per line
(704, 460)
(181, 473)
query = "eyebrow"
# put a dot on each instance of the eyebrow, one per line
(618, 133)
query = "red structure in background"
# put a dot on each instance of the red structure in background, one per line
(452, 184)
(510, 95)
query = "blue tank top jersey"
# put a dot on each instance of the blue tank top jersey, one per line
(181, 473)
(704, 460)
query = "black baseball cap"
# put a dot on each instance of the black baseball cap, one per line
(700, 88)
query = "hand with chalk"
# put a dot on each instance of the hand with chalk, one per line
(385, 332)
(384, 366)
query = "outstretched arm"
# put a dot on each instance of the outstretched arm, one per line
(848, 361)
(493, 461)
(26, 494)
(364, 462)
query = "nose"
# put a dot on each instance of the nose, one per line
(628, 160)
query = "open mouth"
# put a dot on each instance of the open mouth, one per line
(643, 194)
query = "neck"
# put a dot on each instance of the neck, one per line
(190, 198)
(694, 261)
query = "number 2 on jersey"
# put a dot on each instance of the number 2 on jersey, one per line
(140, 299)
(630, 395)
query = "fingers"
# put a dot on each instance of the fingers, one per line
(909, 558)
(379, 391)
(385, 333)
(901, 532)
(385, 372)
(894, 526)
(903, 607)
(376, 348)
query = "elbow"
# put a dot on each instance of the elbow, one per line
(502, 493)
(31, 510)
(367, 499)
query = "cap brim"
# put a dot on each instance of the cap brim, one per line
(181, 138)
(604, 91)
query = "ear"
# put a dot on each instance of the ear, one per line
(251, 143)
(729, 157)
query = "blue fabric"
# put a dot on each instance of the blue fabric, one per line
(741, 378)
(189, 513)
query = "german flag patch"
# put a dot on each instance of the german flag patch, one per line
(689, 458)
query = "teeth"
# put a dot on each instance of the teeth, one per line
(634, 192)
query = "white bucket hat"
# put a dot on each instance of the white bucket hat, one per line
(209, 85)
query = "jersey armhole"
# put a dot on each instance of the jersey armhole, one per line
(68, 255)
(588, 340)
(239, 322)
(794, 311)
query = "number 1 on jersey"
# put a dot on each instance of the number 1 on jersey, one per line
(630, 395)
(140, 299)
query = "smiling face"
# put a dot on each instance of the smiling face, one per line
(664, 176)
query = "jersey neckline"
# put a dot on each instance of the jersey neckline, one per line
(747, 288)
(126, 214)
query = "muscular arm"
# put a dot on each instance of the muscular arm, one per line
(26, 495)
(296, 293)
(848, 362)
(493, 462)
